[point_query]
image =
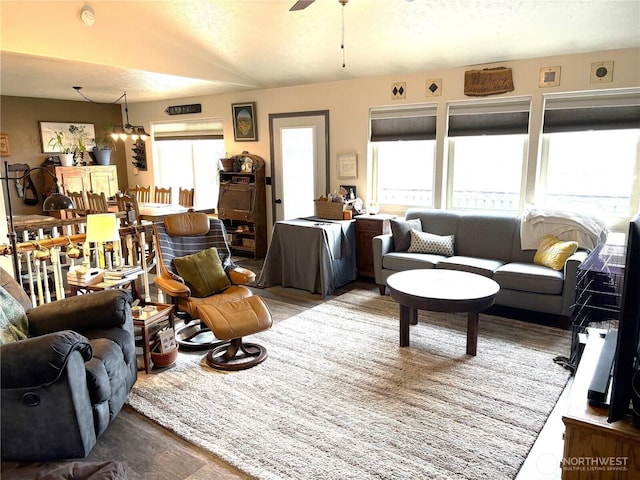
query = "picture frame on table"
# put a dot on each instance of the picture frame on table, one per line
(48, 134)
(244, 122)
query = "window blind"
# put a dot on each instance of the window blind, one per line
(411, 123)
(613, 111)
(489, 118)
(210, 129)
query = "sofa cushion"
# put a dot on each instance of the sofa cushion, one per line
(106, 370)
(528, 277)
(423, 242)
(553, 253)
(400, 230)
(480, 266)
(400, 261)
(203, 272)
(487, 235)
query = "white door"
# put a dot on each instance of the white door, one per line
(299, 170)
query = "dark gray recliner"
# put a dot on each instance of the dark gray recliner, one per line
(62, 386)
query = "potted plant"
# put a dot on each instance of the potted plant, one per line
(81, 137)
(58, 143)
(104, 146)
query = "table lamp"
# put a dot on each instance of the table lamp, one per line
(101, 228)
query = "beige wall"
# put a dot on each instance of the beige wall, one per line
(20, 117)
(349, 102)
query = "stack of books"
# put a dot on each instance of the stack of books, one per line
(122, 273)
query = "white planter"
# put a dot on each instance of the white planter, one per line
(66, 159)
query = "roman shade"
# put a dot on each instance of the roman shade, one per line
(411, 123)
(210, 129)
(611, 111)
(489, 118)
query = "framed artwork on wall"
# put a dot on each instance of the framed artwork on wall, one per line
(347, 166)
(4, 145)
(549, 77)
(244, 122)
(72, 134)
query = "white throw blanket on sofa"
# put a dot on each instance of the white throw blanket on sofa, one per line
(567, 226)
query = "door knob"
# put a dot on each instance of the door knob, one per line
(278, 200)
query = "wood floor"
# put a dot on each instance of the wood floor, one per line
(150, 452)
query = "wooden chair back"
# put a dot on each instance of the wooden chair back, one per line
(79, 203)
(97, 203)
(123, 200)
(162, 195)
(185, 197)
(143, 194)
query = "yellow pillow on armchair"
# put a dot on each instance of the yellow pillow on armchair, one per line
(553, 253)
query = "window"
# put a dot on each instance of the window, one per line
(187, 156)
(487, 171)
(403, 153)
(487, 151)
(590, 158)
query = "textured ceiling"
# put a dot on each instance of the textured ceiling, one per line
(172, 49)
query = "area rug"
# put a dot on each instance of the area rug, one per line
(338, 399)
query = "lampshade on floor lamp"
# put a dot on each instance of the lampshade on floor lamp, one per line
(55, 201)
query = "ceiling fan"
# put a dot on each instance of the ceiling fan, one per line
(302, 4)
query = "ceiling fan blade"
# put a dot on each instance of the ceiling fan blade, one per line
(301, 5)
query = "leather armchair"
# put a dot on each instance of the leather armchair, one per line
(62, 386)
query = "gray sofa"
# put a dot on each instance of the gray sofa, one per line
(488, 245)
(64, 384)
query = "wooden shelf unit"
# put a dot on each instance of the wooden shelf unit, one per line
(242, 208)
(589, 437)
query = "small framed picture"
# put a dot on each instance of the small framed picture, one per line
(549, 77)
(347, 166)
(4, 145)
(244, 122)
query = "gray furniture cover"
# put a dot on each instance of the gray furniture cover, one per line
(312, 254)
(62, 386)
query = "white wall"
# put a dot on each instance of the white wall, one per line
(349, 102)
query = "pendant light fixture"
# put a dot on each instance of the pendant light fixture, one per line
(122, 132)
(127, 130)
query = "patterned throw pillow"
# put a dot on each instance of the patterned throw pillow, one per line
(553, 253)
(423, 242)
(13, 319)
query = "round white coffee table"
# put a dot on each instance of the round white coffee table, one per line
(441, 291)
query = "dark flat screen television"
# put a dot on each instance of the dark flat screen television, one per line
(625, 382)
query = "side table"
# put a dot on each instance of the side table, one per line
(367, 227)
(153, 318)
(126, 282)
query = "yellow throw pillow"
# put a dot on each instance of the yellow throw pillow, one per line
(553, 253)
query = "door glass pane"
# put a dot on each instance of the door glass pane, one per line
(298, 161)
(190, 164)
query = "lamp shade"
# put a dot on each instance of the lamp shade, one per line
(102, 227)
(57, 201)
